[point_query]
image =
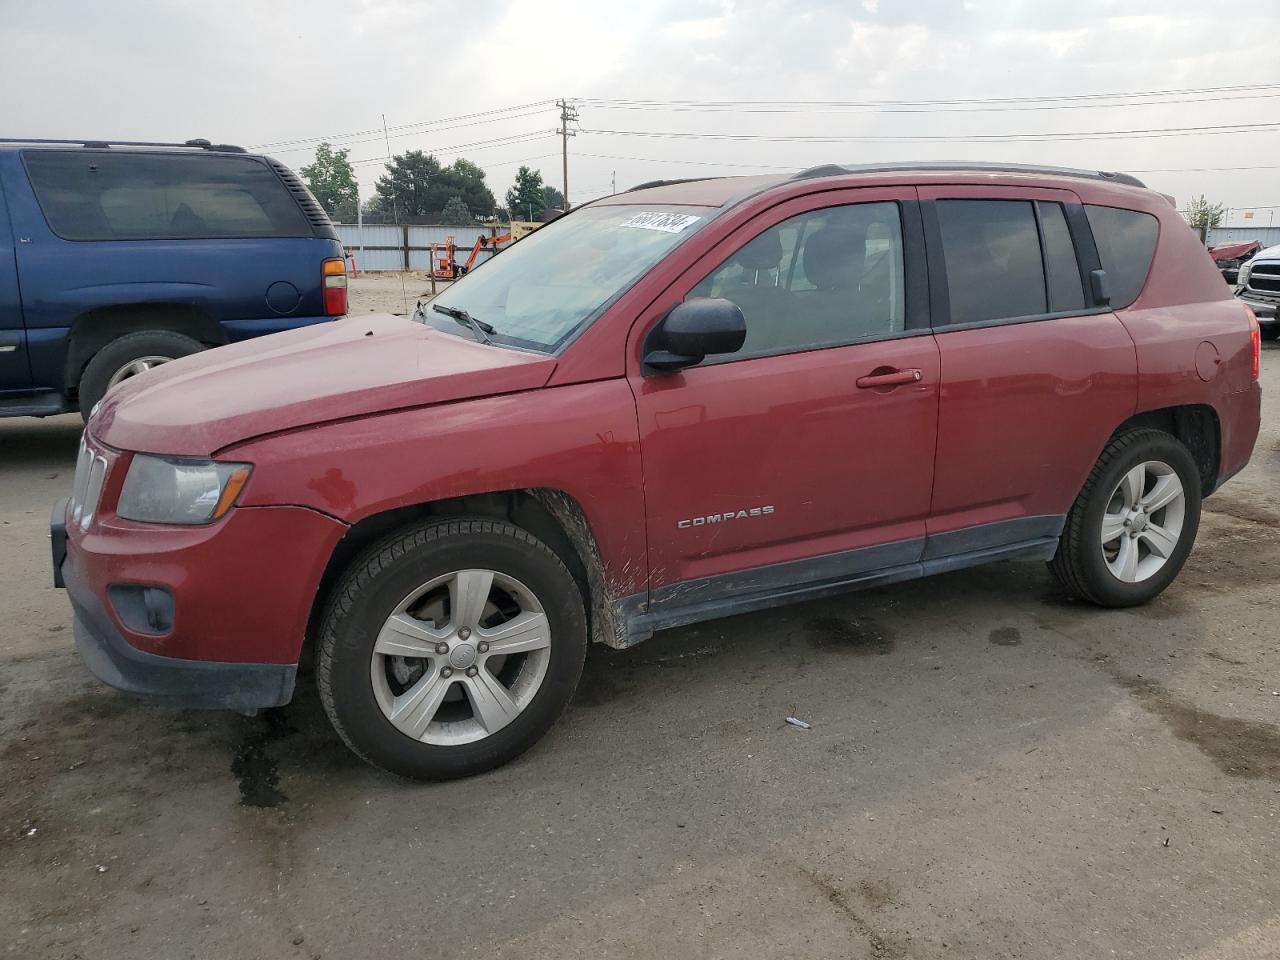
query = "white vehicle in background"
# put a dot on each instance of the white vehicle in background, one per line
(1258, 285)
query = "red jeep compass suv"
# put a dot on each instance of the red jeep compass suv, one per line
(684, 401)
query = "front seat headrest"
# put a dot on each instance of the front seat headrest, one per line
(762, 253)
(833, 257)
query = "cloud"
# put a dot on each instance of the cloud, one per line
(244, 71)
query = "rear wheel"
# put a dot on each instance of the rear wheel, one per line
(1132, 526)
(451, 648)
(127, 357)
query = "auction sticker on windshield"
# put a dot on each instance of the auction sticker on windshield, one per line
(666, 222)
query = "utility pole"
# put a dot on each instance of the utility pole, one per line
(568, 114)
(613, 181)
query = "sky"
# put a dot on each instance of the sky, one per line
(453, 78)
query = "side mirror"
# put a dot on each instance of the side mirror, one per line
(1101, 288)
(692, 330)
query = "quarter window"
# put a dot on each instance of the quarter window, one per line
(819, 279)
(99, 195)
(1126, 242)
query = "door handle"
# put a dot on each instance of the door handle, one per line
(889, 378)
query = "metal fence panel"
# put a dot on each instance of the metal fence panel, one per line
(421, 236)
(383, 243)
(374, 261)
(1267, 236)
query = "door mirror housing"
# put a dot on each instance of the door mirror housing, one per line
(694, 329)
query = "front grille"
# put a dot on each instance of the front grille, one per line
(86, 491)
(1265, 277)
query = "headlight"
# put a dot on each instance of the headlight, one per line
(172, 490)
(1242, 278)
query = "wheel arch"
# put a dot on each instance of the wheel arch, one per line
(551, 515)
(93, 329)
(1196, 426)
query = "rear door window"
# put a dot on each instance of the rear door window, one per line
(1126, 241)
(99, 195)
(993, 263)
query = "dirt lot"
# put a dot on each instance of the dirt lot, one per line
(390, 292)
(993, 771)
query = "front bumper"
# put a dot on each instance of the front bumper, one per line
(1264, 310)
(241, 612)
(198, 684)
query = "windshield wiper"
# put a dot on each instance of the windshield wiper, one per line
(482, 329)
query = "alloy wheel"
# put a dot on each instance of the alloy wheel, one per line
(460, 657)
(1142, 524)
(135, 367)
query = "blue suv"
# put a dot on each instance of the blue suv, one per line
(116, 257)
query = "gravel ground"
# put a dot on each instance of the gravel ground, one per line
(994, 770)
(389, 292)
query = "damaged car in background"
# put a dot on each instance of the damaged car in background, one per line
(1258, 285)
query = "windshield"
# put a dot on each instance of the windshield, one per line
(541, 290)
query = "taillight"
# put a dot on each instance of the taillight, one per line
(1255, 338)
(335, 287)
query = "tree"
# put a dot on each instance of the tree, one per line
(455, 211)
(409, 189)
(1203, 215)
(416, 186)
(552, 197)
(333, 182)
(525, 199)
(467, 179)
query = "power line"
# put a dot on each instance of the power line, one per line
(475, 146)
(1240, 91)
(697, 163)
(809, 109)
(414, 133)
(1151, 133)
(1199, 169)
(760, 166)
(503, 163)
(406, 126)
(1126, 95)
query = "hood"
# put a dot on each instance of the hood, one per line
(1270, 253)
(1234, 251)
(197, 405)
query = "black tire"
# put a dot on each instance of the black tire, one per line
(1270, 332)
(124, 350)
(1079, 564)
(389, 571)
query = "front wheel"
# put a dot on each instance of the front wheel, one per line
(451, 648)
(127, 357)
(1132, 526)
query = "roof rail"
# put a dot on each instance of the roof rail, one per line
(836, 170)
(198, 144)
(665, 183)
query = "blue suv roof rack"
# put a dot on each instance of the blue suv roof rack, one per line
(198, 144)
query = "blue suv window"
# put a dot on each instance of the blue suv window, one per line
(98, 195)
